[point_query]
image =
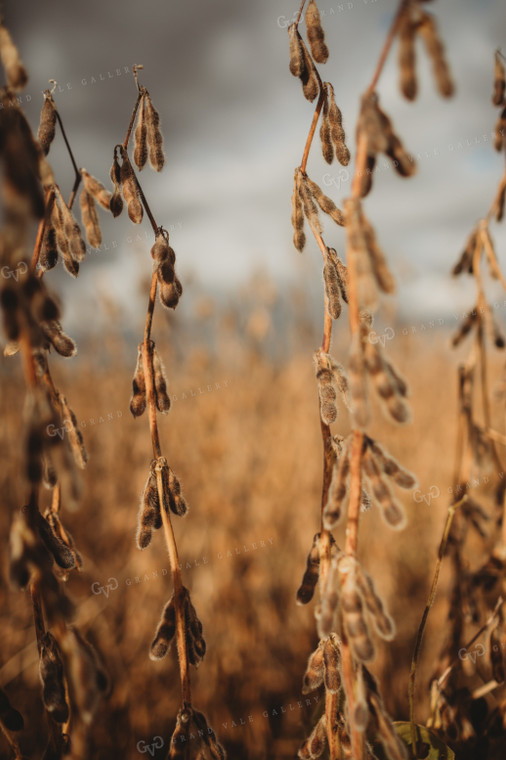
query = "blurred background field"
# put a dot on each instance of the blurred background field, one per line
(243, 436)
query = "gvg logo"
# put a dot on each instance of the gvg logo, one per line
(21, 268)
(472, 654)
(111, 585)
(342, 177)
(156, 743)
(387, 334)
(418, 496)
(52, 430)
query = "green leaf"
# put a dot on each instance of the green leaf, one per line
(430, 746)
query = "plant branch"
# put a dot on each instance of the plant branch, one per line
(386, 47)
(419, 636)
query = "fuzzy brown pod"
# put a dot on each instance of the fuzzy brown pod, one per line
(21, 155)
(379, 266)
(299, 238)
(308, 203)
(88, 678)
(351, 607)
(40, 303)
(15, 72)
(58, 220)
(141, 147)
(11, 718)
(326, 131)
(359, 247)
(335, 120)
(329, 375)
(173, 499)
(63, 535)
(9, 301)
(169, 292)
(48, 257)
(326, 204)
(388, 384)
(332, 290)
(138, 400)
(407, 55)
(165, 632)
(60, 341)
(391, 510)
(316, 744)
(332, 662)
(313, 677)
(74, 435)
(428, 31)
(71, 229)
(297, 61)
(162, 397)
(338, 489)
(358, 381)
(89, 219)
(499, 81)
(96, 189)
(153, 135)
(161, 250)
(61, 553)
(150, 517)
(334, 278)
(311, 574)
(315, 33)
(381, 620)
(195, 643)
(130, 189)
(116, 202)
(465, 262)
(47, 124)
(390, 466)
(301, 64)
(378, 131)
(501, 197)
(26, 552)
(52, 678)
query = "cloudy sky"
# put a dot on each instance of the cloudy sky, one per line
(235, 123)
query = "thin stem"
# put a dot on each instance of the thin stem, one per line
(147, 361)
(299, 15)
(132, 118)
(48, 209)
(419, 636)
(78, 177)
(476, 636)
(151, 308)
(314, 122)
(38, 617)
(386, 47)
(145, 204)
